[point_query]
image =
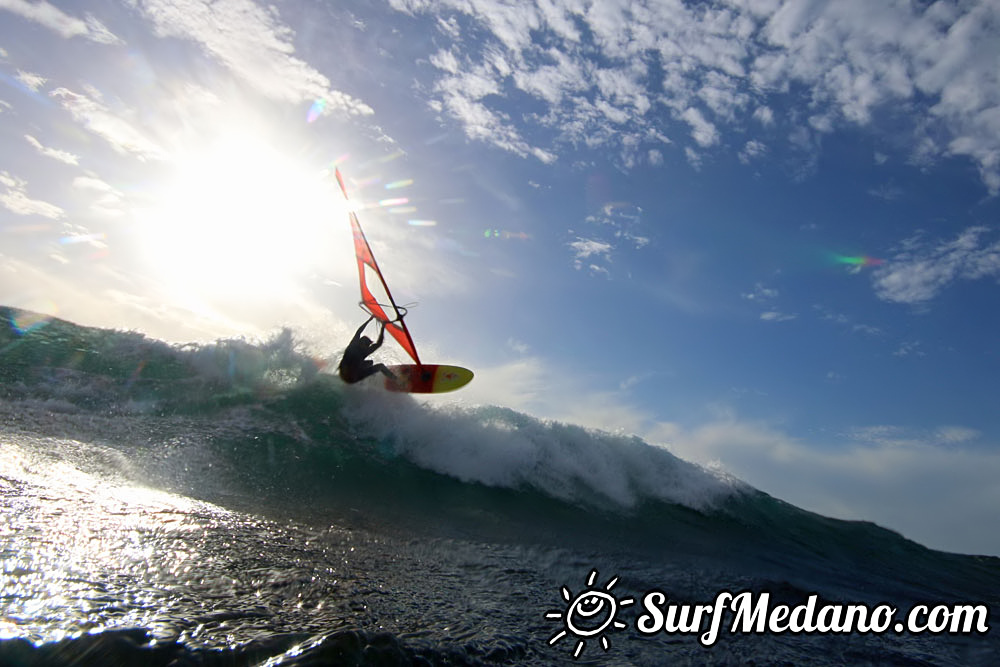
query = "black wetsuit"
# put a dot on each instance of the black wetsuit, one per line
(355, 366)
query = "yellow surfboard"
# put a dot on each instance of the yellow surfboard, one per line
(428, 378)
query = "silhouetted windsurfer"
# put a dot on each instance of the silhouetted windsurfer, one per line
(354, 365)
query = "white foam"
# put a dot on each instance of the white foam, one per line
(276, 361)
(500, 447)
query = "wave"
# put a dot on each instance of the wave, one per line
(262, 427)
(279, 390)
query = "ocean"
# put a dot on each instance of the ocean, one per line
(235, 504)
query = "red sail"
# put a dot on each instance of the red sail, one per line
(393, 324)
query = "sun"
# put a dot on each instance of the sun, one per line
(589, 614)
(238, 216)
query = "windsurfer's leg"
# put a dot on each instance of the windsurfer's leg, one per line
(356, 372)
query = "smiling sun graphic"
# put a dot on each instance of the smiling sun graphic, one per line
(589, 614)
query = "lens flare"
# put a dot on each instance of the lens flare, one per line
(316, 110)
(364, 183)
(25, 321)
(95, 239)
(389, 158)
(861, 260)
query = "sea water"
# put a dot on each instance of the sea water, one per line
(230, 504)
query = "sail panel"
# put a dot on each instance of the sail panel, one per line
(393, 321)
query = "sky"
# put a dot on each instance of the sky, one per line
(762, 234)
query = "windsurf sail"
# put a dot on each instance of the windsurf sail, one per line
(389, 313)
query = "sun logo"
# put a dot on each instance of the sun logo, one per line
(589, 614)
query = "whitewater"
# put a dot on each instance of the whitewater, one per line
(234, 503)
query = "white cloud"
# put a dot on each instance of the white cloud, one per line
(909, 349)
(543, 155)
(121, 134)
(445, 61)
(899, 479)
(879, 54)
(617, 227)
(517, 385)
(518, 346)
(58, 21)
(483, 124)
(108, 201)
(584, 248)
(721, 95)
(623, 85)
(884, 435)
(956, 434)
(752, 150)
(765, 296)
(693, 157)
(866, 329)
(598, 270)
(764, 115)
(554, 82)
(886, 192)
(54, 153)
(761, 293)
(251, 42)
(462, 93)
(461, 97)
(722, 64)
(449, 26)
(633, 380)
(16, 199)
(920, 271)
(828, 315)
(702, 131)
(32, 81)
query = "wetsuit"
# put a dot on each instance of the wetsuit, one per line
(354, 365)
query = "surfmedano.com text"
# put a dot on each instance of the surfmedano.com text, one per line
(757, 615)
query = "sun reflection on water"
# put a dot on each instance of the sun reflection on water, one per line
(74, 547)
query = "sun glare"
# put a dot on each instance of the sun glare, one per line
(239, 217)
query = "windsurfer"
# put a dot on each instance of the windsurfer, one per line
(354, 365)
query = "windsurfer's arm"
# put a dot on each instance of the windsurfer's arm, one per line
(357, 334)
(381, 336)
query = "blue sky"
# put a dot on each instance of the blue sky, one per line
(762, 234)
